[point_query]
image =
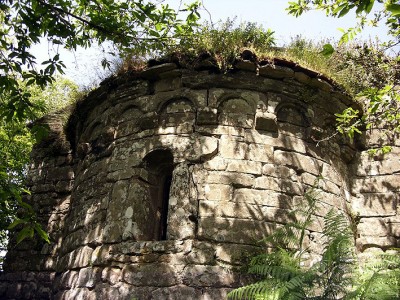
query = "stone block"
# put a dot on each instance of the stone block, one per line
(168, 84)
(279, 172)
(266, 122)
(215, 192)
(261, 197)
(62, 173)
(145, 274)
(321, 84)
(297, 161)
(291, 187)
(147, 121)
(278, 72)
(236, 254)
(377, 184)
(375, 204)
(373, 227)
(230, 178)
(239, 231)
(215, 164)
(232, 148)
(111, 275)
(69, 279)
(78, 258)
(236, 120)
(241, 210)
(246, 65)
(267, 183)
(202, 253)
(386, 242)
(201, 148)
(260, 152)
(368, 166)
(89, 277)
(206, 276)
(244, 166)
(155, 71)
(332, 174)
(207, 116)
(177, 292)
(221, 130)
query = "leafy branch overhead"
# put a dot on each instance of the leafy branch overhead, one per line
(381, 103)
(140, 26)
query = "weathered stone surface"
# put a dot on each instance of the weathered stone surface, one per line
(144, 274)
(215, 192)
(266, 122)
(246, 65)
(155, 71)
(274, 71)
(209, 276)
(376, 204)
(299, 162)
(249, 167)
(259, 152)
(262, 197)
(164, 185)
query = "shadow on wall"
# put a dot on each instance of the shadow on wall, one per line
(173, 190)
(376, 196)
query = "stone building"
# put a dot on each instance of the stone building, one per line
(162, 182)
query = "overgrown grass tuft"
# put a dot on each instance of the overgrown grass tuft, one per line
(355, 66)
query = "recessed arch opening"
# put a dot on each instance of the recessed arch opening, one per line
(159, 165)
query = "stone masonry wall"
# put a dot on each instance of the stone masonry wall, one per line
(168, 178)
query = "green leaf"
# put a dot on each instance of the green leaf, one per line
(394, 9)
(344, 11)
(327, 50)
(369, 6)
(26, 232)
(16, 223)
(42, 233)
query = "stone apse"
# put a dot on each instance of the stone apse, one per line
(161, 183)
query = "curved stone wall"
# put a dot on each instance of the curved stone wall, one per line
(168, 178)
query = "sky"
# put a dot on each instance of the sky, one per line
(84, 66)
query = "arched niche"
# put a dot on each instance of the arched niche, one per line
(177, 112)
(292, 120)
(236, 112)
(159, 166)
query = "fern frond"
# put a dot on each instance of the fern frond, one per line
(379, 279)
(338, 258)
(266, 289)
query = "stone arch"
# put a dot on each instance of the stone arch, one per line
(292, 119)
(236, 112)
(177, 111)
(94, 130)
(159, 166)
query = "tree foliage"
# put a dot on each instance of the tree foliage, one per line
(28, 87)
(140, 26)
(381, 103)
(389, 13)
(16, 141)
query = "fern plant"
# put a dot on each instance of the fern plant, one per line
(379, 279)
(282, 273)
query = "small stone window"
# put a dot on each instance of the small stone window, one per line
(159, 166)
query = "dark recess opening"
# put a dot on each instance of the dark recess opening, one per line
(165, 204)
(159, 165)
